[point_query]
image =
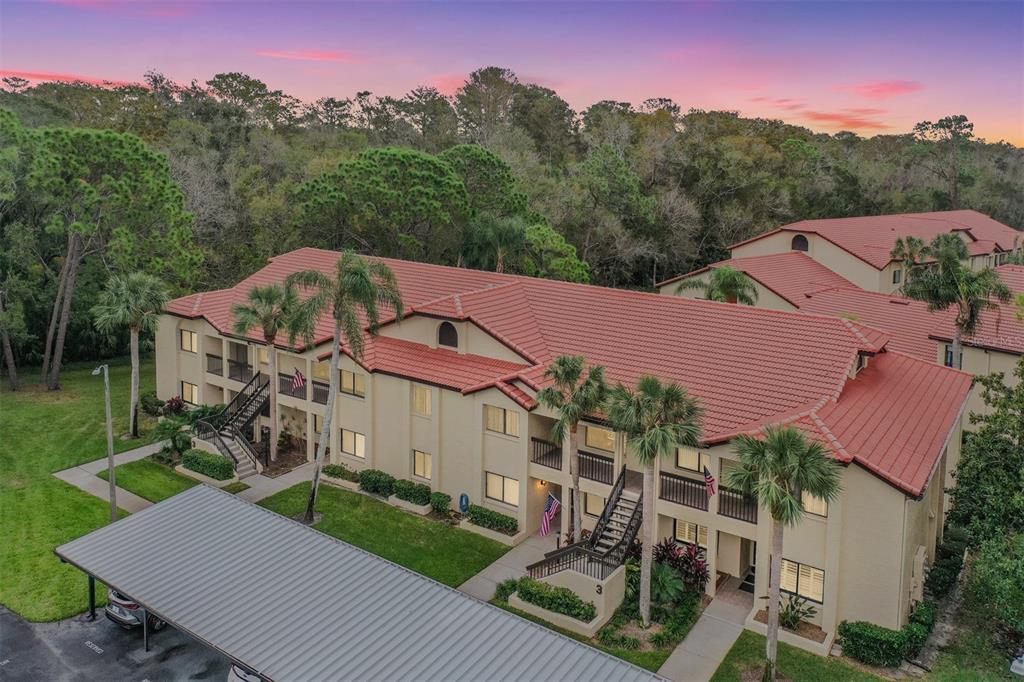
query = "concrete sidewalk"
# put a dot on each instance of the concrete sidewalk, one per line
(261, 486)
(698, 656)
(512, 564)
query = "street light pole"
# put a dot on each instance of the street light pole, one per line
(110, 440)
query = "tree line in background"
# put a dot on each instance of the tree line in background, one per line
(199, 184)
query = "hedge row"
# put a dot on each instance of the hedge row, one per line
(340, 471)
(949, 559)
(482, 516)
(410, 491)
(556, 599)
(441, 502)
(876, 645)
(377, 482)
(208, 464)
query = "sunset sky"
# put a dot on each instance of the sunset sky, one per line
(870, 67)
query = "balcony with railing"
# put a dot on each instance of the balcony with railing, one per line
(545, 453)
(320, 392)
(736, 505)
(597, 467)
(240, 371)
(286, 386)
(685, 491)
(214, 364)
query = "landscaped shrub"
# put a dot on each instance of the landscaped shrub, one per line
(613, 638)
(505, 589)
(666, 585)
(211, 414)
(410, 491)
(556, 599)
(482, 516)
(340, 471)
(914, 635)
(924, 613)
(377, 482)
(949, 559)
(150, 404)
(208, 464)
(441, 502)
(994, 589)
(174, 406)
(872, 644)
(794, 610)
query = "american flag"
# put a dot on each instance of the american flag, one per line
(709, 481)
(550, 509)
(298, 381)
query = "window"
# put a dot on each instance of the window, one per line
(803, 580)
(322, 371)
(352, 383)
(190, 393)
(353, 443)
(692, 459)
(813, 505)
(897, 276)
(264, 356)
(503, 489)
(318, 422)
(421, 464)
(602, 439)
(421, 400)
(593, 505)
(501, 420)
(447, 335)
(948, 360)
(691, 533)
(189, 341)
(799, 243)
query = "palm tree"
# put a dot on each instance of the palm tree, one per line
(777, 469)
(725, 284)
(908, 250)
(135, 301)
(273, 309)
(357, 289)
(575, 394)
(657, 419)
(947, 282)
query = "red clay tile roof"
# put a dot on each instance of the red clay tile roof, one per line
(747, 365)
(790, 274)
(1012, 276)
(871, 238)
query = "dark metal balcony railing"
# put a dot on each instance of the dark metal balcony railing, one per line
(215, 364)
(320, 392)
(685, 491)
(286, 387)
(596, 467)
(736, 505)
(239, 371)
(546, 454)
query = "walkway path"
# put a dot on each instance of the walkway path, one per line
(84, 477)
(512, 564)
(698, 656)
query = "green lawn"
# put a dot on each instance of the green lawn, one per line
(235, 488)
(970, 658)
(796, 664)
(437, 550)
(43, 432)
(149, 479)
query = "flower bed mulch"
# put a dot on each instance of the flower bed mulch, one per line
(805, 630)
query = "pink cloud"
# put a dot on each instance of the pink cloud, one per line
(883, 89)
(50, 76)
(780, 102)
(308, 55)
(847, 119)
(448, 83)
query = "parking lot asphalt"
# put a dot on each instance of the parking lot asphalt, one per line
(75, 650)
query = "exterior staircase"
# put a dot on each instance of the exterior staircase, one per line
(618, 521)
(226, 430)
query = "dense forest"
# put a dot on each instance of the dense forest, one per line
(200, 183)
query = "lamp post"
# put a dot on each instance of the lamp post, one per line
(110, 440)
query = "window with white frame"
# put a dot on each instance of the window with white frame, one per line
(803, 580)
(897, 276)
(353, 443)
(502, 489)
(318, 422)
(422, 464)
(600, 438)
(421, 400)
(189, 340)
(691, 533)
(322, 371)
(353, 383)
(692, 459)
(500, 420)
(948, 359)
(190, 393)
(593, 505)
(813, 505)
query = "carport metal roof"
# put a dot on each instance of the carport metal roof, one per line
(292, 603)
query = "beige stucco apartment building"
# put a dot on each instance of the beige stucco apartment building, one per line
(447, 396)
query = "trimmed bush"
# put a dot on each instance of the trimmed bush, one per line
(924, 613)
(484, 517)
(915, 635)
(505, 589)
(377, 482)
(340, 471)
(150, 404)
(441, 502)
(556, 599)
(410, 491)
(872, 644)
(208, 464)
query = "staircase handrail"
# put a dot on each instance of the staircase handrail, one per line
(602, 521)
(243, 443)
(206, 431)
(628, 534)
(243, 396)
